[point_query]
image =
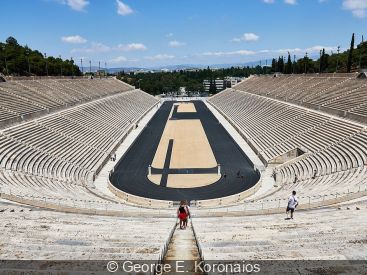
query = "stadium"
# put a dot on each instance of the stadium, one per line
(93, 170)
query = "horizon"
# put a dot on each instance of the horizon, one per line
(167, 33)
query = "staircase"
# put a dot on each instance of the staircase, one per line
(183, 247)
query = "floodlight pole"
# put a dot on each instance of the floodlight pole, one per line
(81, 64)
(90, 67)
(46, 64)
(99, 69)
(294, 64)
(72, 66)
(306, 63)
(320, 62)
(6, 63)
(337, 60)
(60, 65)
(29, 66)
(284, 65)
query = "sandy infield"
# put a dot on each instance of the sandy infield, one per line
(191, 149)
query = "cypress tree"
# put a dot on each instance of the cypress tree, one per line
(289, 64)
(350, 55)
(274, 65)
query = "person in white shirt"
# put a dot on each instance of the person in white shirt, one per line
(292, 204)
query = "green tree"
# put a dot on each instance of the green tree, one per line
(289, 64)
(23, 61)
(350, 55)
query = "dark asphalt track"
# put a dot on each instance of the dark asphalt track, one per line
(131, 172)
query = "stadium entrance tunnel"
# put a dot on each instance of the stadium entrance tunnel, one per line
(184, 153)
(290, 155)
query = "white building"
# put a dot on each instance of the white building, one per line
(219, 84)
(231, 81)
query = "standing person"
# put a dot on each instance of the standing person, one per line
(187, 208)
(292, 204)
(238, 174)
(182, 214)
(314, 174)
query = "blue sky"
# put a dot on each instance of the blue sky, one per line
(165, 32)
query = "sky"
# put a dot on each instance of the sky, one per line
(149, 33)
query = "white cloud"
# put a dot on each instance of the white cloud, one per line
(358, 7)
(160, 57)
(269, 1)
(248, 37)
(123, 9)
(131, 47)
(266, 53)
(290, 2)
(74, 39)
(240, 52)
(176, 44)
(100, 47)
(94, 48)
(169, 34)
(78, 5)
(299, 51)
(118, 60)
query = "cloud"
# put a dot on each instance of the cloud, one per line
(240, 52)
(100, 47)
(123, 9)
(78, 5)
(94, 48)
(299, 51)
(169, 34)
(160, 57)
(74, 39)
(118, 60)
(269, 1)
(269, 52)
(132, 47)
(248, 37)
(358, 7)
(290, 2)
(176, 44)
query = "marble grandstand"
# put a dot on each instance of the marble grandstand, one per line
(344, 95)
(307, 133)
(22, 100)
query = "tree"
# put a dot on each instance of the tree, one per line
(289, 64)
(280, 64)
(22, 60)
(11, 41)
(350, 55)
(274, 65)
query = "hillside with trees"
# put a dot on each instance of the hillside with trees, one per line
(352, 60)
(18, 60)
(164, 82)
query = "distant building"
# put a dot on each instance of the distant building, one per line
(217, 83)
(221, 84)
(101, 73)
(231, 81)
(182, 91)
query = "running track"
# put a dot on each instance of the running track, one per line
(131, 171)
